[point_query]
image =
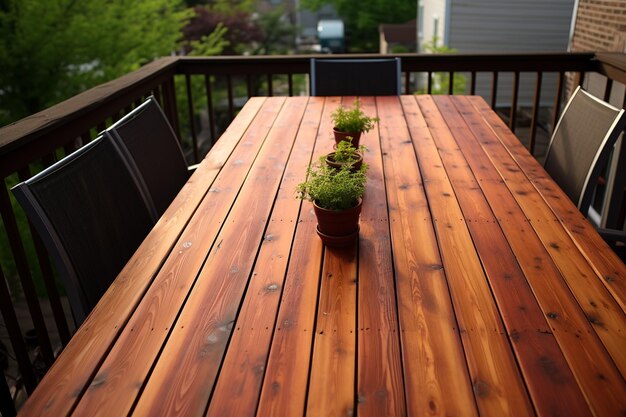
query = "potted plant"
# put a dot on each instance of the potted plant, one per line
(345, 154)
(337, 196)
(351, 122)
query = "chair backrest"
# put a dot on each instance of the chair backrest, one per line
(355, 77)
(581, 144)
(147, 139)
(92, 215)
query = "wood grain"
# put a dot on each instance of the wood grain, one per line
(285, 384)
(604, 261)
(432, 353)
(332, 375)
(239, 385)
(380, 387)
(603, 312)
(68, 378)
(551, 384)
(498, 386)
(331, 384)
(590, 363)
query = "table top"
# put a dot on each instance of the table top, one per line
(476, 287)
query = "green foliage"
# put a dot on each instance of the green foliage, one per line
(362, 17)
(441, 80)
(53, 49)
(352, 119)
(211, 44)
(345, 153)
(278, 34)
(333, 189)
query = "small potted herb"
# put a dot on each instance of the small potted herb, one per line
(351, 122)
(337, 196)
(345, 154)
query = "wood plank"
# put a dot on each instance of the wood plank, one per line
(285, 384)
(380, 386)
(551, 384)
(331, 385)
(603, 260)
(604, 313)
(594, 370)
(67, 379)
(183, 378)
(333, 363)
(432, 353)
(239, 384)
(125, 368)
(498, 385)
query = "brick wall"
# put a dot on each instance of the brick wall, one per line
(600, 26)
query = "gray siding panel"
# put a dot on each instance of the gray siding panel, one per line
(504, 26)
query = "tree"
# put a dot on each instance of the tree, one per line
(240, 29)
(53, 49)
(362, 17)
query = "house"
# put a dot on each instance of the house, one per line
(397, 38)
(499, 26)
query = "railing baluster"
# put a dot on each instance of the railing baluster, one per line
(473, 83)
(171, 108)
(535, 116)
(17, 248)
(557, 100)
(192, 124)
(290, 83)
(494, 90)
(231, 111)
(85, 138)
(430, 82)
(451, 82)
(15, 335)
(270, 85)
(249, 85)
(157, 96)
(209, 99)
(48, 276)
(513, 114)
(407, 82)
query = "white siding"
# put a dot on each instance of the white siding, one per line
(433, 10)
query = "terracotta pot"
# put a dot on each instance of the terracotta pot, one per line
(339, 136)
(338, 228)
(330, 160)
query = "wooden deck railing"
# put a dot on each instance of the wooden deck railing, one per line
(200, 96)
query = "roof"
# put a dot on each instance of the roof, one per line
(399, 32)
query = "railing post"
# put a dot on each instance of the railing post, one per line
(171, 108)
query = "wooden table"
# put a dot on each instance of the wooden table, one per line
(476, 287)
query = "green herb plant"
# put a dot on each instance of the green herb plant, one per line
(333, 189)
(352, 119)
(346, 153)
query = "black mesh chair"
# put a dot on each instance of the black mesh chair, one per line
(581, 145)
(579, 150)
(92, 214)
(355, 77)
(146, 138)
